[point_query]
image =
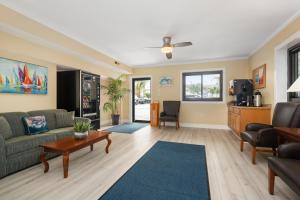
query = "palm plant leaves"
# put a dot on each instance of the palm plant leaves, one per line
(115, 92)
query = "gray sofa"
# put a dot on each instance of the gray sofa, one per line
(22, 151)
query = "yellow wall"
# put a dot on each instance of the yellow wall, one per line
(76, 55)
(265, 55)
(26, 47)
(199, 113)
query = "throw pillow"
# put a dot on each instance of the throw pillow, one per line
(35, 125)
(5, 129)
(65, 119)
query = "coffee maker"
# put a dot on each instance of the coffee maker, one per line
(242, 89)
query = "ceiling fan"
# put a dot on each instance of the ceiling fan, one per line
(167, 47)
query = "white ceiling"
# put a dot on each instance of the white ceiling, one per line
(218, 29)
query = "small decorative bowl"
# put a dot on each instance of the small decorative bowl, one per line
(79, 135)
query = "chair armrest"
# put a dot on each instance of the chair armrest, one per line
(81, 119)
(267, 137)
(162, 114)
(2, 157)
(257, 126)
(289, 150)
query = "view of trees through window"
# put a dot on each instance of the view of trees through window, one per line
(202, 86)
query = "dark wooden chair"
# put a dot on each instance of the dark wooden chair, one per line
(263, 135)
(170, 113)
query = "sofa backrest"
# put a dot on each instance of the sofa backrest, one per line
(50, 116)
(15, 122)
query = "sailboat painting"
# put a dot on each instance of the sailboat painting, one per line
(22, 78)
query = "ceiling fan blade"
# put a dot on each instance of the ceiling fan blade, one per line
(169, 55)
(182, 44)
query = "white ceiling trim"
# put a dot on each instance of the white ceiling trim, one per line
(278, 30)
(41, 41)
(193, 62)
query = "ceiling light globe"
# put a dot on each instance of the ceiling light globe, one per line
(166, 49)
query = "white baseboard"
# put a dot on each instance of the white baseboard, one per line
(183, 124)
(199, 125)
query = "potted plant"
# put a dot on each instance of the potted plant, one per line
(115, 92)
(81, 129)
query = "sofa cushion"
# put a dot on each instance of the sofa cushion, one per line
(288, 170)
(50, 116)
(26, 142)
(35, 125)
(15, 122)
(5, 129)
(61, 133)
(64, 119)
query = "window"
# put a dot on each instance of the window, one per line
(293, 71)
(202, 86)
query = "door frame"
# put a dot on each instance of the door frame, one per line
(131, 96)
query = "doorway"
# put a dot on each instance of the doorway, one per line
(141, 99)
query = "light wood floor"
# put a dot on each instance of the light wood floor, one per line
(231, 174)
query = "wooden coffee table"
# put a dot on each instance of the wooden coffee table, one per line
(69, 144)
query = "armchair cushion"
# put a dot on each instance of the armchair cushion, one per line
(169, 118)
(257, 126)
(289, 150)
(288, 170)
(162, 114)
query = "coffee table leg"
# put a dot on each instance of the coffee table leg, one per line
(44, 161)
(108, 143)
(66, 164)
(92, 147)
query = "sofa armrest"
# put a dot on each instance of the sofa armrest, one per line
(257, 126)
(81, 119)
(289, 150)
(267, 137)
(2, 157)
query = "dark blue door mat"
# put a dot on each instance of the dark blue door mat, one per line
(127, 127)
(168, 171)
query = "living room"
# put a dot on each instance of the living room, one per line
(192, 100)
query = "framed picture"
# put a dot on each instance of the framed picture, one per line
(259, 77)
(22, 78)
(165, 81)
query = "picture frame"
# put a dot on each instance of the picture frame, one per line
(17, 77)
(165, 81)
(259, 77)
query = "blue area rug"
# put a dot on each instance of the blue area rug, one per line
(127, 127)
(168, 171)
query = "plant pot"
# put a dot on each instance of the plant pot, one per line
(115, 119)
(80, 135)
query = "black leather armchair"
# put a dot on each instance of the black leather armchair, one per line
(286, 166)
(263, 135)
(170, 113)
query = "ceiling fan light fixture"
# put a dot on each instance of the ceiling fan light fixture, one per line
(167, 49)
